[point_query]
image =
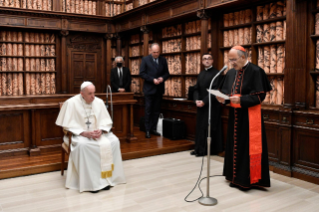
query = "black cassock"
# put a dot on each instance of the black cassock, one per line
(201, 93)
(252, 84)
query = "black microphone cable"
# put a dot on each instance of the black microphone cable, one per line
(199, 180)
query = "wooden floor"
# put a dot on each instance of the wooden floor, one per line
(25, 165)
(157, 184)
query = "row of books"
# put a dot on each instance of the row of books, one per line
(134, 51)
(112, 9)
(28, 4)
(275, 31)
(193, 63)
(272, 58)
(236, 18)
(173, 87)
(30, 64)
(241, 36)
(272, 10)
(12, 84)
(29, 50)
(174, 64)
(172, 31)
(275, 96)
(135, 85)
(29, 37)
(193, 43)
(129, 6)
(135, 66)
(79, 6)
(174, 45)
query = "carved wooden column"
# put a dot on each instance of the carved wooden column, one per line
(289, 77)
(108, 49)
(118, 44)
(146, 38)
(300, 60)
(64, 62)
(204, 30)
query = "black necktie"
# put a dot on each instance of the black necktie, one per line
(156, 62)
(121, 78)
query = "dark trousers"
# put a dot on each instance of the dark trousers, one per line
(152, 110)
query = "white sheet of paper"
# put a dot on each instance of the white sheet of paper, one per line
(218, 93)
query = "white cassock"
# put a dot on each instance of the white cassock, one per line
(93, 164)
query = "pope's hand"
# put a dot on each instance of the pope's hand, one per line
(97, 133)
(92, 134)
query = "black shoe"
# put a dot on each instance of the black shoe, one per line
(239, 187)
(232, 185)
(107, 188)
(147, 134)
(154, 132)
(200, 155)
(193, 152)
(94, 192)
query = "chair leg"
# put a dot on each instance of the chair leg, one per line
(62, 161)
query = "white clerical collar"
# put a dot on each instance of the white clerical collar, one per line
(246, 63)
(209, 67)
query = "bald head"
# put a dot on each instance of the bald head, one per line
(155, 48)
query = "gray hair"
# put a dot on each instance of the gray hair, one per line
(241, 53)
(119, 57)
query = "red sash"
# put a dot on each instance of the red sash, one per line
(255, 140)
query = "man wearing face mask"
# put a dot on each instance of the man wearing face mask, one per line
(120, 77)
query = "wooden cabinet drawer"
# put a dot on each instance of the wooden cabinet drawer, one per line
(306, 119)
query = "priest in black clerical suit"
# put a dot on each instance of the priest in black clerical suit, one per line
(154, 71)
(246, 153)
(120, 77)
(201, 98)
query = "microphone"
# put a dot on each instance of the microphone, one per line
(209, 201)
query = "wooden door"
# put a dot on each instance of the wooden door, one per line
(83, 66)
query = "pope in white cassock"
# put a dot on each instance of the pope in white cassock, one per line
(95, 162)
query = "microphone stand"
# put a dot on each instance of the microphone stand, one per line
(209, 201)
(108, 88)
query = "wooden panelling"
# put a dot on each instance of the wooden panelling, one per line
(272, 139)
(44, 23)
(135, 22)
(215, 3)
(83, 26)
(14, 130)
(185, 7)
(158, 15)
(306, 119)
(306, 148)
(6, 20)
(47, 132)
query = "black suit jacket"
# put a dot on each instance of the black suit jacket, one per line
(149, 71)
(115, 80)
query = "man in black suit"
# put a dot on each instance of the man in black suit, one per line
(154, 71)
(120, 77)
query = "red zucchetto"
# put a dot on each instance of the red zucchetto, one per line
(239, 48)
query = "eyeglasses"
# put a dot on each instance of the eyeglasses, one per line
(233, 60)
(207, 59)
